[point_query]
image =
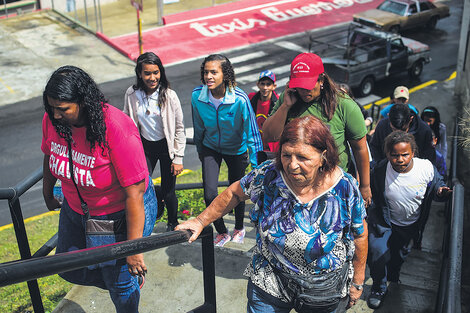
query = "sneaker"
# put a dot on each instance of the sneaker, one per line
(376, 299)
(238, 235)
(141, 281)
(221, 239)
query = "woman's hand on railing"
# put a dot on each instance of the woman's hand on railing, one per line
(444, 191)
(195, 226)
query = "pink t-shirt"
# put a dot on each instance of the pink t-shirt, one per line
(100, 178)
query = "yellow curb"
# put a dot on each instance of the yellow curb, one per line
(423, 85)
(158, 180)
(416, 88)
(452, 76)
(31, 219)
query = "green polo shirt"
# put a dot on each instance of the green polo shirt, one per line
(347, 122)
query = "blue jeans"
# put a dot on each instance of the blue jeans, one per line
(261, 302)
(123, 287)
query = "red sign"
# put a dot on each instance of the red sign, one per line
(201, 32)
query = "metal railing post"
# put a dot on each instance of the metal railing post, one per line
(96, 16)
(209, 268)
(86, 12)
(160, 12)
(25, 251)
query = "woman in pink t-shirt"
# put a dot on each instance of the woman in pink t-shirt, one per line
(110, 174)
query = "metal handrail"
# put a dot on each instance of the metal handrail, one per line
(448, 300)
(26, 270)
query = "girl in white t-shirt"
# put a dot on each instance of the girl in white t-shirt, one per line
(403, 187)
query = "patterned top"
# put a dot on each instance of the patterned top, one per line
(300, 238)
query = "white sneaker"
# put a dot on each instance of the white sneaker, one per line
(238, 235)
(221, 239)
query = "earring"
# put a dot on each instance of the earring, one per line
(321, 86)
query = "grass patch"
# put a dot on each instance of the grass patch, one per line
(15, 298)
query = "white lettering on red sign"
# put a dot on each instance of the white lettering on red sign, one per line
(225, 28)
(273, 14)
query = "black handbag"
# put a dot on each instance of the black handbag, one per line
(317, 293)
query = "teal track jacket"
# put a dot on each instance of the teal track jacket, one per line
(230, 129)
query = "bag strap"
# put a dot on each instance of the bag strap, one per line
(83, 204)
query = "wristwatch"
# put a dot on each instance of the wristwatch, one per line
(358, 287)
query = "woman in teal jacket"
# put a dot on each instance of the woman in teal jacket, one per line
(224, 128)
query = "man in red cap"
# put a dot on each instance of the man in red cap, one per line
(310, 91)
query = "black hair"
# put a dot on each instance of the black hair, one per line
(72, 84)
(431, 111)
(400, 116)
(397, 137)
(164, 84)
(227, 69)
(328, 96)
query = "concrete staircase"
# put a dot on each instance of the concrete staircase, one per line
(174, 281)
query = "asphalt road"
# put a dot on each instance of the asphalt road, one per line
(20, 138)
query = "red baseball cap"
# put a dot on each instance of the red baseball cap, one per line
(304, 71)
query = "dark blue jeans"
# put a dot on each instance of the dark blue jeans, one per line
(123, 287)
(236, 164)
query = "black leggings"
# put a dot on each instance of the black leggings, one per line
(158, 150)
(236, 164)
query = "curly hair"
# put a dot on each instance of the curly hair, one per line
(164, 84)
(227, 69)
(328, 96)
(397, 137)
(72, 84)
(311, 131)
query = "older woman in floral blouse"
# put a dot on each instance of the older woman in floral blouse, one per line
(310, 225)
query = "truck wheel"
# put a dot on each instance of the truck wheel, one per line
(432, 23)
(395, 29)
(416, 69)
(366, 86)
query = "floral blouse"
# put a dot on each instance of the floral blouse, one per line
(300, 238)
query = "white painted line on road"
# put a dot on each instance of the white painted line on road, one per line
(250, 67)
(290, 46)
(281, 83)
(366, 100)
(253, 78)
(248, 56)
